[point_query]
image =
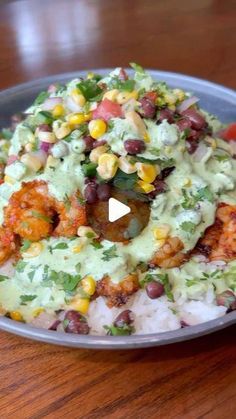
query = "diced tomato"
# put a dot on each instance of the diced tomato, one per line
(107, 110)
(151, 95)
(229, 133)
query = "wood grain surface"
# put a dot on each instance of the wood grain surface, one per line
(195, 379)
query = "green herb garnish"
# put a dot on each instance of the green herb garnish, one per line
(20, 266)
(59, 246)
(188, 226)
(96, 244)
(3, 278)
(89, 169)
(25, 245)
(119, 331)
(67, 281)
(26, 298)
(41, 98)
(124, 181)
(110, 253)
(90, 89)
(43, 217)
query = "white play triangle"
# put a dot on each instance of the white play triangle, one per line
(116, 209)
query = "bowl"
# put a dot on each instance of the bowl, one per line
(217, 100)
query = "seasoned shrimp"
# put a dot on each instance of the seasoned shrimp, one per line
(219, 241)
(117, 294)
(33, 214)
(7, 244)
(169, 255)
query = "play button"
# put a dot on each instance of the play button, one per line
(116, 209)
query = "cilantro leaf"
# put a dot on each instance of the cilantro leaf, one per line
(188, 226)
(20, 266)
(59, 246)
(67, 281)
(3, 278)
(124, 181)
(40, 216)
(41, 98)
(164, 279)
(205, 194)
(125, 85)
(26, 245)
(26, 298)
(89, 169)
(96, 244)
(119, 331)
(89, 88)
(110, 253)
(138, 68)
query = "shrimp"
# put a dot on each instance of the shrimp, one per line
(7, 244)
(220, 238)
(169, 255)
(33, 214)
(117, 294)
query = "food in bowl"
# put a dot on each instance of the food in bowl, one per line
(170, 261)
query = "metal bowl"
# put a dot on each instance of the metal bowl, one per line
(217, 100)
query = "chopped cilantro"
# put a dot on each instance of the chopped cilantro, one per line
(26, 245)
(3, 278)
(138, 68)
(20, 266)
(41, 98)
(191, 282)
(59, 246)
(90, 89)
(119, 331)
(124, 181)
(31, 275)
(67, 281)
(190, 200)
(96, 244)
(89, 169)
(26, 298)
(43, 117)
(43, 217)
(188, 226)
(6, 134)
(125, 85)
(109, 253)
(164, 279)
(222, 157)
(78, 267)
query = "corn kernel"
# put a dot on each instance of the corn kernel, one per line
(89, 285)
(97, 152)
(80, 304)
(76, 119)
(126, 166)
(31, 161)
(47, 137)
(107, 166)
(187, 182)
(179, 93)
(9, 179)
(146, 137)
(147, 172)
(29, 147)
(62, 131)
(145, 187)
(77, 97)
(34, 250)
(161, 232)
(90, 75)
(97, 127)
(88, 116)
(16, 315)
(38, 311)
(111, 95)
(58, 111)
(124, 97)
(170, 98)
(77, 249)
(86, 231)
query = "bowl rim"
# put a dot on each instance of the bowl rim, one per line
(118, 342)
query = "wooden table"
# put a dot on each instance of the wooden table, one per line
(188, 380)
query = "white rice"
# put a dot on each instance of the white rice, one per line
(153, 316)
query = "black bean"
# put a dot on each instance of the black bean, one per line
(160, 187)
(147, 108)
(104, 192)
(134, 146)
(88, 141)
(166, 172)
(90, 193)
(124, 318)
(226, 299)
(74, 322)
(196, 119)
(154, 289)
(165, 114)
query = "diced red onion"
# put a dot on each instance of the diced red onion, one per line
(187, 103)
(50, 103)
(44, 320)
(52, 88)
(45, 146)
(11, 159)
(200, 152)
(71, 105)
